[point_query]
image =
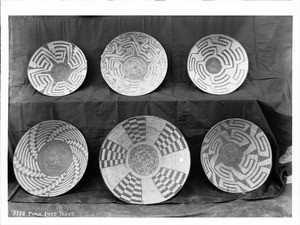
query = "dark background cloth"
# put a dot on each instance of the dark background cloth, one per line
(264, 98)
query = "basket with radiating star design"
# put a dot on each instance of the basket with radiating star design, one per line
(50, 158)
(236, 156)
(57, 68)
(134, 64)
(144, 160)
(217, 64)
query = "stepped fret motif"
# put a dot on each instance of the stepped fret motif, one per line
(236, 156)
(217, 64)
(57, 68)
(134, 64)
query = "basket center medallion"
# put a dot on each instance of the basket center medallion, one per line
(143, 159)
(61, 72)
(213, 65)
(55, 158)
(135, 68)
(230, 154)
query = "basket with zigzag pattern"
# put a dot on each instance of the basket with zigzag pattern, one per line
(50, 158)
(57, 68)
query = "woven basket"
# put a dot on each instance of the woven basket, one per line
(134, 64)
(57, 68)
(217, 64)
(236, 156)
(144, 160)
(50, 158)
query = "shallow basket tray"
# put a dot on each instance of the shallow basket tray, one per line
(217, 64)
(144, 160)
(236, 156)
(50, 158)
(57, 68)
(134, 64)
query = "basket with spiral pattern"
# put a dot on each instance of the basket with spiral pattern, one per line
(144, 160)
(134, 63)
(217, 64)
(50, 158)
(236, 156)
(57, 68)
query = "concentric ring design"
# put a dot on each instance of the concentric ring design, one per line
(217, 64)
(50, 158)
(134, 64)
(57, 68)
(236, 156)
(144, 160)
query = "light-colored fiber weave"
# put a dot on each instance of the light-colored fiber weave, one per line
(236, 156)
(134, 63)
(217, 64)
(57, 68)
(144, 160)
(50, 158)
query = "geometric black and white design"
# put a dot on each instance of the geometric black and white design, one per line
(57, 68)
(136, 129)
(50, 158)
(170, 140)
(112, 154)
(129, 189)
(144, 160)
(134, 63)
(217, 64)
(169, 181)
(236, 156)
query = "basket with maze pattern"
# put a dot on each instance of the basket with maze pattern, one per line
(144, 160)
(236, 156)
(50, 158)
(134, 64)
(217, 64)
(57, 68)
